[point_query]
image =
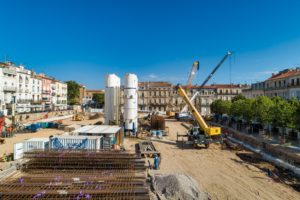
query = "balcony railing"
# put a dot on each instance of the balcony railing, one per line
(36, 101)
(9, 89)
(24, 101)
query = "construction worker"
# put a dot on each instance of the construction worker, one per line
(156, 162)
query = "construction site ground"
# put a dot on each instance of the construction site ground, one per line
(220, 173)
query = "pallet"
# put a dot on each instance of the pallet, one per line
(147, 153)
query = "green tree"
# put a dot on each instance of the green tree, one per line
(236, 108)
(99, 99)
(281, 113)
(73, 92)
(220, 106)
(238, 97)
(261, 109)
(295, 118)
(242, 108)
(247, 111)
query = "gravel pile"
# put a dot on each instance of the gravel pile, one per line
(178, 187)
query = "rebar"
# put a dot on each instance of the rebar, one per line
(78, 175)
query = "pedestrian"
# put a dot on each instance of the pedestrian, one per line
(156, 162)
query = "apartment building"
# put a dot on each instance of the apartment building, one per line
(90, 93)
(22, 90)
(8, 79)
(285, 84)
(46, 91)
(256, 90)
(154, 95)
(163, 96)
(24, 85)
(36, 93)
(228, 91)
(59, 93)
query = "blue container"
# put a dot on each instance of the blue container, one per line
(153, 133)
(34, 127)
(159, 134)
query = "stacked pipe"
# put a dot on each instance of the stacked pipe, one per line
(78, 175)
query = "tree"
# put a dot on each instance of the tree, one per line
(247, 111)
(236, 108)
(295, 106)
(220, 106)
(281, 113)
(98, 99)
(73, 92)
(261, 109)
(238, 97)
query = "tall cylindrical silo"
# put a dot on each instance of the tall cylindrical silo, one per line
(112, 99)
(131, 103)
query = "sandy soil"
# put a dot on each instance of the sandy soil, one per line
(221, 173)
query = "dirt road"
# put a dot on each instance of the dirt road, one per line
(221, 173)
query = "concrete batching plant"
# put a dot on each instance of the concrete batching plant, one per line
(131, 103)
(112, 99)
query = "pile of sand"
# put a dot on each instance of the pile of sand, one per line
(178, 186)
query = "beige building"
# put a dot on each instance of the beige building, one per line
(285, 84)
(256, 90)
(87, 95)
(163, 96)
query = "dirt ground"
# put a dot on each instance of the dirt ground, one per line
(220, 173)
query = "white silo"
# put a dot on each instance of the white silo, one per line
(131, 103)
(112, 99)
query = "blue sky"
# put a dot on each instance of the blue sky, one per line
(156, 39)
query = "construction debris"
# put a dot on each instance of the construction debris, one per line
(177, 186)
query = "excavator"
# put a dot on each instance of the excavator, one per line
(202, 134)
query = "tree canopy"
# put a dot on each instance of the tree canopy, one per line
(73, 92)
(276, 111)
(98, 99)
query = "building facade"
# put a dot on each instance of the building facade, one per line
(90, 93)
(24, 85)
(23, 91)
(256, 90)
(285, 84)
(163, 96)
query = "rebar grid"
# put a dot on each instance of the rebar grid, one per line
(78, 175)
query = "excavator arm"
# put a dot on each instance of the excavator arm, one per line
(209, 131)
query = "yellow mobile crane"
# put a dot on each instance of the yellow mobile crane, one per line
(203, 134)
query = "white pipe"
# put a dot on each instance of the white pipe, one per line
(268, 157)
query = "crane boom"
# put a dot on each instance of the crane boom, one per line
(195, 68)
(184, 109)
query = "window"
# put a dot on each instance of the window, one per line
(298, 81)
(293, 82)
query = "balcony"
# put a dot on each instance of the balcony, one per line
(36, 102)
(23, 101)
(46, 92)
(9, 89)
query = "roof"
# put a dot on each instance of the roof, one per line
(98, 129)
(155, 84)
(284, 74)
